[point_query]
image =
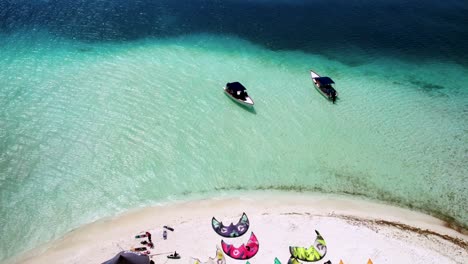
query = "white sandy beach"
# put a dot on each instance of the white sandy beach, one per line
(354, 231)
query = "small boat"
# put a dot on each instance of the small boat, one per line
(325, 86)
(237, 92)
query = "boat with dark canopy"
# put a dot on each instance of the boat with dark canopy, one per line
(237, 92)
(325, 86)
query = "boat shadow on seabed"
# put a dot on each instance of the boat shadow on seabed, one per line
(249, 109)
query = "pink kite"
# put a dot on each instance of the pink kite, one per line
(244, 251)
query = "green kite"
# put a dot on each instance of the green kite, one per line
(314, 253)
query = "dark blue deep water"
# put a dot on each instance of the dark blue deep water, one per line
(413, 30)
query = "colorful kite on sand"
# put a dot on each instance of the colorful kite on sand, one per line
(244, 251)
(219, 259)
(314, 253)
(290, 261)
(232, 230)
(293, 261)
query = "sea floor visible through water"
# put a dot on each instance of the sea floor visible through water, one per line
(91, 129)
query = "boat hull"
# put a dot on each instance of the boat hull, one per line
(248, 101)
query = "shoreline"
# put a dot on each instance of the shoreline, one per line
(450, 222)
(340, 219)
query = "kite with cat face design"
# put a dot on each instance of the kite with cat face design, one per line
(232, 230)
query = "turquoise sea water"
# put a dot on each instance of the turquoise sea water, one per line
(91, 128)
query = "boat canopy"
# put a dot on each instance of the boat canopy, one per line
(324, 80)
(235, 87)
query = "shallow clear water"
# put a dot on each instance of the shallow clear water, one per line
(99, 117)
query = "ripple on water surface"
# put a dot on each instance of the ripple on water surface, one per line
(95, 129)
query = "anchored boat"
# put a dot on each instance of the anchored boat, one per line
(237, 92)
(325, 86)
